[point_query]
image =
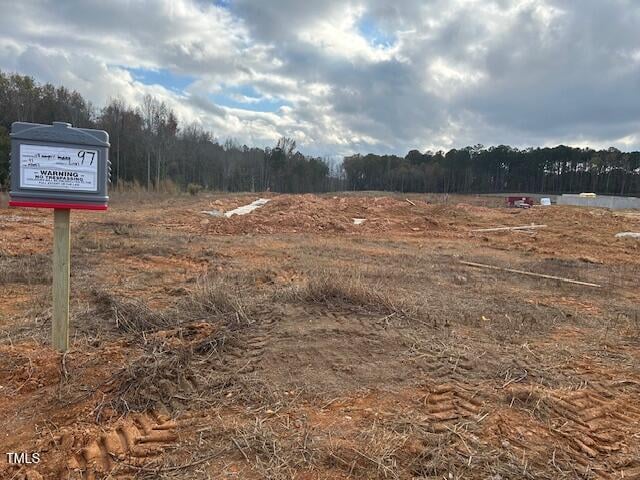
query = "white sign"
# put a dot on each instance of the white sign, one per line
(58, 168)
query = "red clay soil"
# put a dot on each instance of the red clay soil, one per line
(292, 343)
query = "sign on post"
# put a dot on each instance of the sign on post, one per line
(60, 167)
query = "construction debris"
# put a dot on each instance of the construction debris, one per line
(247, 208)
(498, 229)
(520, 202)
(359, 221)
(628, 235)
(213, 213)
(531, 274)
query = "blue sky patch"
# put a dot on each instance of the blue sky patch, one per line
(163, 77)
(369, 29)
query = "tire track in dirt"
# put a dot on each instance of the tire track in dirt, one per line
(589, 432)
(465, 367)
(444, 367)
(600, 425)
(243, 355)
(138, 440)
(596, 425)
(449, 403)
(339, 345)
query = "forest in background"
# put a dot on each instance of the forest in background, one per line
(149, 147)
(503, 168)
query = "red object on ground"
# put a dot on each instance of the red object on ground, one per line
(74, 206)
(515, 201)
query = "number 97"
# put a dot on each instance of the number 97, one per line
(84, 155)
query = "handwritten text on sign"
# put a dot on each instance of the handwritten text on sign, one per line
(58, 168)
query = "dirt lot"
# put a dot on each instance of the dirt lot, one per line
(292, 343)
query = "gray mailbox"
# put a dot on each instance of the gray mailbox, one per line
(58, 166)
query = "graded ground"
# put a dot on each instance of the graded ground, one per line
(292, 343)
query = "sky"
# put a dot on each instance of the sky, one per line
(342, 76)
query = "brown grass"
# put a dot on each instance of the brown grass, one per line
(26, 269)
(179, 366)
(272, 455)
(218, 295)
(157, 379)
(350, 291)
(129, 315)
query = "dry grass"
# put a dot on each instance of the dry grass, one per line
(26, 269)
(178, 376)
(275, 456)
(185, 349)
(128, 315)
(156, 379)
(216, 295)
(352, 292)
(165, 187)
(377, 454)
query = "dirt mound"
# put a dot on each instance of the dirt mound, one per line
(326, 214)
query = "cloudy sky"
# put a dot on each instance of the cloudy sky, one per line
(343, 76)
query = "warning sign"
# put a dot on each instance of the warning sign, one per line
(58, 168)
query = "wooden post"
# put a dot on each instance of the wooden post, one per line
(61, 270)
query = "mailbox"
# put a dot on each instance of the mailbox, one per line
(58, 166)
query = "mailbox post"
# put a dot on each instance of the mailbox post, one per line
(63, 168)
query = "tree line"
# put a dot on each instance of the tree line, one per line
(150, 147)
(477, 169)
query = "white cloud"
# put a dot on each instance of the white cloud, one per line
(337, 35)
(454, 72)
